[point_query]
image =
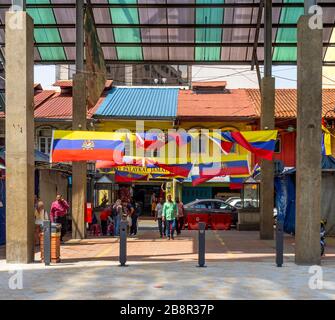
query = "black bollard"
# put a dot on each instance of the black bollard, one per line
(279, 243)
(123, 244)
(202, 245)
(47, 242)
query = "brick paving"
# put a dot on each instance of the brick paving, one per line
(239, 266)
(148, 246)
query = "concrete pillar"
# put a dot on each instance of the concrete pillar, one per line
(19, 138)
(79, 181)
(308, 177)
(267, 167)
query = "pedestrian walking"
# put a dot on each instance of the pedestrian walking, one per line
(137, 212)
(180, 216)
(158, 217)
(58, 212)
(153, 201)
(127, 211)
(117, 212)
(169, 217)
(40, 216)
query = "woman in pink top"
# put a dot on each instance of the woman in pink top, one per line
(58, 213)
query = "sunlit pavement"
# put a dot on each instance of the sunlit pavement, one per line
(239, 266)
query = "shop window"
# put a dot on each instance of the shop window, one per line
(152, 153)
(44, 144)
(198, 145)
(127, 148)
(44, 139)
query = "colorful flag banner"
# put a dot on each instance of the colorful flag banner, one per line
(180, 170)
(141, 170)
(125, 161)
(196, 180)
(162, 176)
(231, 165)
(95, 61)
(227, 168)
(150, 140)
(256, 170)
(86, 145)
(326, 147)
(124, 176)
(261, 143)
(181, 138)
(236, 182)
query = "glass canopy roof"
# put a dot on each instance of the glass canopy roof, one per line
(174, 31)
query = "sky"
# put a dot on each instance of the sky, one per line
(236, 76)
(243, 76)
(45, 75)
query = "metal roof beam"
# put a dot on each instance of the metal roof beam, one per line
(167, 26)
(268, 38)
(173, 44)
(259, 23)
(171, 5)
(180, 62)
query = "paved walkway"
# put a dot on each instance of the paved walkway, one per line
(239, 266)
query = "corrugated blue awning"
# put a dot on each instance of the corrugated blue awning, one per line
(139, 103)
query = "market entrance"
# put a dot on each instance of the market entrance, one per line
(141, 193)
(144, 193)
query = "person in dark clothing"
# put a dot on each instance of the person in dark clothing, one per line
(134, 217)
(104, 221)
(158, 217)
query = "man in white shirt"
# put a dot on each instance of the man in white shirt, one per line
(158, 216)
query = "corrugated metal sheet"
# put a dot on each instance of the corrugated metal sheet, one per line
(140, 103)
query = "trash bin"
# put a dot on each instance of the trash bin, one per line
(55, 243)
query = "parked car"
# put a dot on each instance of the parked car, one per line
(232, 198)
(235, 202)
(238, 203)
(211, 206)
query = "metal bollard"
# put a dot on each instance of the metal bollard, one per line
(47, 241)
(123, 244)
(279, 243)
(202, 245)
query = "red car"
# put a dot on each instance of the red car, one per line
(217, 214)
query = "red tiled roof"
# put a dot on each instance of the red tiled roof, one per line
(39, 98)
(60, 107)
(68, 84)
(286, 102)
(234, 104)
